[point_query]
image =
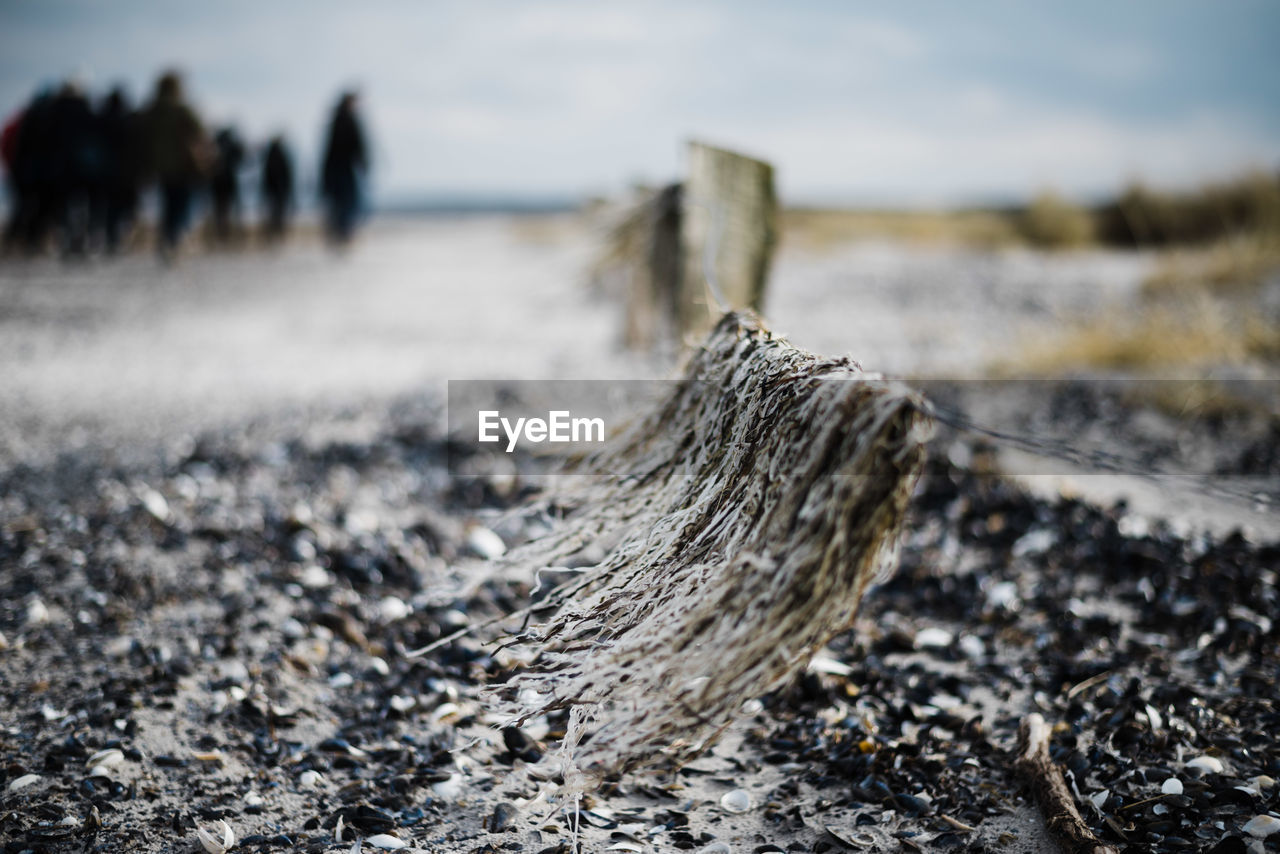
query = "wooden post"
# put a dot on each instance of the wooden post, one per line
(728, 231)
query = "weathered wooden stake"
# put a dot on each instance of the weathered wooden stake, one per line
(728, 231)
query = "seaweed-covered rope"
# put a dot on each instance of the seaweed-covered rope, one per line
(759, 501)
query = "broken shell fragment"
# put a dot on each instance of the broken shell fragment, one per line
(213, 844)
(386, 842)
(1206, 764)
(105, 758)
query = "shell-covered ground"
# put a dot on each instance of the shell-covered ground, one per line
(225, 514)
(222, 637)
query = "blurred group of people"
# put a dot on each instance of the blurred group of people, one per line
(77, 174)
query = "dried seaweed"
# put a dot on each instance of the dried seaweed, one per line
(742, 521)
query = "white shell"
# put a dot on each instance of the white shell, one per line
(386, 842)
(445, 710)
(22, 782)
(736, 801)
(972, 646)
(1208, 764)
(933, 638)
(393, 608)
(155, 504)
(485, 543)
(1172, 786)
(1262, 826)
(37, 613)
(213, 844)
(822, 664)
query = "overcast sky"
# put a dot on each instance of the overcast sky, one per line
(910, 103)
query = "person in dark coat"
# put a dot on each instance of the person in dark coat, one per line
(345, 161)
(33, 174)
(277, 189)
(224, 186)
(116, 203)
(76, 155)
(179, 157)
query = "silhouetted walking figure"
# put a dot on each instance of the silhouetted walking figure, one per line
(277, 188)
(179, 157)
(116, 201)
(31, 152)
(76, 162)
(225, 184)
(345, 160)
